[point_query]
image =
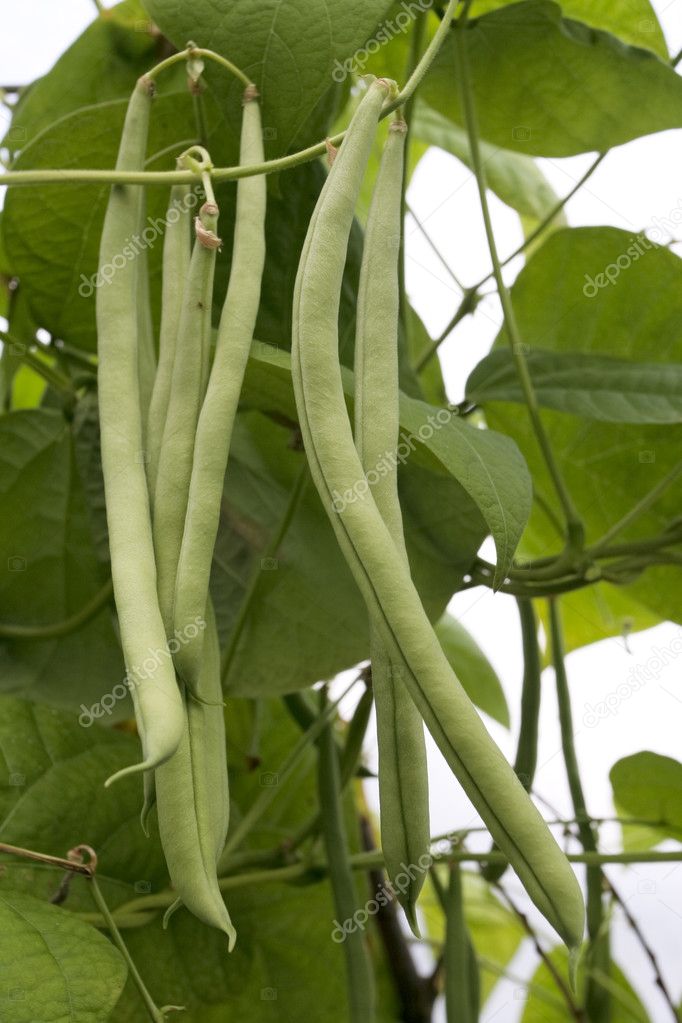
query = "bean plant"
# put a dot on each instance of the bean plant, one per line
(238, 498)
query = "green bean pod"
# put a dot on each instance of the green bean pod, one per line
(176, 261)
(156, 697)
(192, 797)
(379, 568)
(214, 429)
(146, 348)
(462, 987)
(359, 977)
(184, 405)
(403, 774)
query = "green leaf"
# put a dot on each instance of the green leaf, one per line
(648, 786)
(515, 178)
(49, 568)
(294, 52)
(591, 386)
(54, 967)
(633, 21)
(485, 465)
(546, 1005)
(546, 85)
(608, 467)
(473, 669)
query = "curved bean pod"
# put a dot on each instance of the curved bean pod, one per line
(184, 404)
(176, 260)
(377, 565)
(403, 774)
(156, 697)
(214, 430)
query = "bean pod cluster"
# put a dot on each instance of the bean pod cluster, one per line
(166, 431)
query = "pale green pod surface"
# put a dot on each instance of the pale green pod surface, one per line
(176, 259)
(188, 834)
(214, 430)
(184, 405)
(379, 568)
(207, 724)
(146, 347)
(158, 705)
(403, 773)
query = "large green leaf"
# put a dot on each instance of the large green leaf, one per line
(473, 669)
(50, 569)
(550, 86)
(53, 966)
(648, 786)
(608, 467)
(591, 386)
(486, 466)
(294, 52)
(633, 21)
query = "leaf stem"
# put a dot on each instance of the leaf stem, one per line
(153, 1010)
(639, 509)
(58, 629)
(575, 531)
(57, 380)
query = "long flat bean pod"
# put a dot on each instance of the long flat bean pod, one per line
(459, 958)
(184, 404)
(146, 350)
(176, 259)
(403, 774)
(158, 705)
(214, 429)
(377, 565)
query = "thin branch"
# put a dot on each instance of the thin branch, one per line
(575, 1010)
(434, 248)
(649, 952)
(639, 509)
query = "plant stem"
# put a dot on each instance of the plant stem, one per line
(155, 1013)
(466, 307)
(51, 861)
(57, 380)
(434, 248)
(270, 552)
(198, 53)
(65, 627)
(597, 1000)
(359, 976)
(575, 531)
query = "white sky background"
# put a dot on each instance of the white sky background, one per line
(636, 183)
